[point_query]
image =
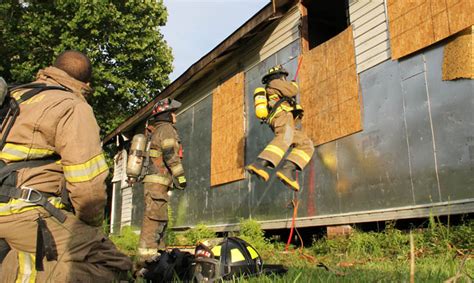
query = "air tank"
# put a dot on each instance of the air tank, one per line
(136, 156)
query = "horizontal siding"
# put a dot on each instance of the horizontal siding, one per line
(371, 39)
(126, 207)
(284, 33)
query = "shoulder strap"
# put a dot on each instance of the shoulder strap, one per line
(15, 108)
(9, 168)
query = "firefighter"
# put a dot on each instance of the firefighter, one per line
(163, 172)
(280, 110)
(52, 193)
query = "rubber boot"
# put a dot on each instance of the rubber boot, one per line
(287, 174)
(260, 169)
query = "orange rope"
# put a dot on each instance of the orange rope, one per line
(293, 220)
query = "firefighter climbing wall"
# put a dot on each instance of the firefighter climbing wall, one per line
(227, 147)
(418, 24)
(329, 89)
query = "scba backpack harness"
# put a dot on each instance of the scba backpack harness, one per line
(9, 111)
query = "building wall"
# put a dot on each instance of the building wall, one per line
(414, 157)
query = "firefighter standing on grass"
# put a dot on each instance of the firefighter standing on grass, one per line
(163, 172)
(276, 104)
(52, 148)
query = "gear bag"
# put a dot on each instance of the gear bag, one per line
(169, 266)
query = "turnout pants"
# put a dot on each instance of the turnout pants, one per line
(155, 219)
(84, 254)
(283, 125)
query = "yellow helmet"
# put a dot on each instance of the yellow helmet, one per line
(277, 70)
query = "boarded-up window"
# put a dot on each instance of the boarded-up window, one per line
(227, 148)
(416, 24)
(458, 61)
(329, 89)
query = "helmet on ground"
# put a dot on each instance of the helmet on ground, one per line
(274, 73)
(223, 259)
(165, 105)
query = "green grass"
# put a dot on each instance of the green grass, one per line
(127, 241)
(442, 251)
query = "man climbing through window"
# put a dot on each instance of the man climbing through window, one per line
(276, 105)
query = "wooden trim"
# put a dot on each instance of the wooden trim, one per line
(304, 27)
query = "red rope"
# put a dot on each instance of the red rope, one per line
(295, 200)
(293, 220)
(298, 69)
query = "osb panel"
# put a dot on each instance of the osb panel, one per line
(329, 90)
(458, 61)
(227, 146)
(416, 24)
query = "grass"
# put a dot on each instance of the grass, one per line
(442, 251)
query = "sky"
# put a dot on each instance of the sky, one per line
(195, 27)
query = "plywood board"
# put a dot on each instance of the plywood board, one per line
(328, 80)
(227, 146)
(458, 59)
(417, 24)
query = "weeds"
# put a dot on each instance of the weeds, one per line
(198, 233)
(127, 241)
(442, 252)
(251, 231)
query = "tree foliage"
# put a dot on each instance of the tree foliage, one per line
(131, 59)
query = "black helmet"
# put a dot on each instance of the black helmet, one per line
(165, 105)
(277, 70)
(230, 257)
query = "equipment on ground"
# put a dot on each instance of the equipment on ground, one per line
(136, 156)
(230, 257)
(168, 266)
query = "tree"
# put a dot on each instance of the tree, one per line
(131, 60)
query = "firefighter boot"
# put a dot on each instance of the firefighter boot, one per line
(287, 175)
(260, 168)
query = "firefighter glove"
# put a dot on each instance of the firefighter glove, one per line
(180, 182)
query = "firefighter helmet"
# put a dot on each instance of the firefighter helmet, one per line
(224, 259)
(165, 105)
(277, 70)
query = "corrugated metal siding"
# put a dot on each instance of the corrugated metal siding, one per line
(371, 40)
(126, 217)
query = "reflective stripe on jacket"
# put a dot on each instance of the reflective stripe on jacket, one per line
(164, 155)
(57, 122)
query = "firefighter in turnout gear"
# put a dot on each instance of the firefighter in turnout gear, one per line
(163, 172)
(54, 148)
(276, 104)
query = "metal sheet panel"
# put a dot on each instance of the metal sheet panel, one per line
(421, 150)
(266, 201)
(452, 104)
(372, 165)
